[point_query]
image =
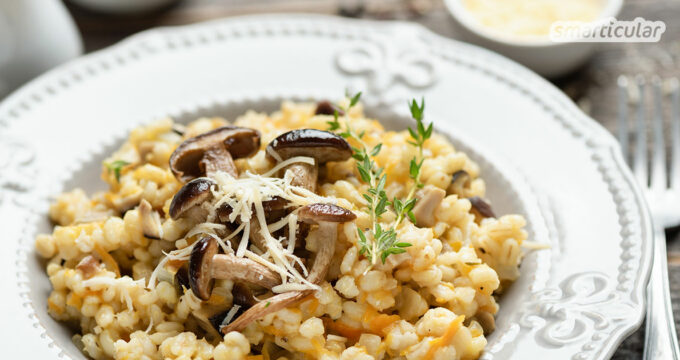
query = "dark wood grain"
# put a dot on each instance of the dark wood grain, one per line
(593, 87)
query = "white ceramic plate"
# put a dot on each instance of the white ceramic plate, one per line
(539, 154)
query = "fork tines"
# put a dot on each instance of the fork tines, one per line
(633, 96)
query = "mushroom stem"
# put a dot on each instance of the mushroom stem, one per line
(323, 146)
(328, 234)
(256, 236)
(302, 175)
(206, 265)
(327, 217)
(151, 221)
(213, 151)
(218, 159)
(273, 304)
(482, 207)
(245, 270)
(429, 200)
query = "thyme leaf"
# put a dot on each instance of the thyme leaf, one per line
(116, 166)
(377, 243)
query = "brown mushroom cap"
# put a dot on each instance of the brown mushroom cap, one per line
(325, 107)
(482, 207)
(273, 205)
(321, 145)
(460, 176)
(151, 220)
(317, 213)
(242, 295)
(89, 266)
(191, 194)
(201, 280)
(186, 161)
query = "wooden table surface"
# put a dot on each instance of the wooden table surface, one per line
(593, 87)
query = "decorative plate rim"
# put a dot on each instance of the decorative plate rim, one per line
(600, 144)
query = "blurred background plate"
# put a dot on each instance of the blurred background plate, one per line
(588, 294)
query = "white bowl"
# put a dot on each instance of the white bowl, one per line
(122, 6)
(548, 58)
(35, 36)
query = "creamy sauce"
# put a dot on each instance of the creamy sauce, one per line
(530, 18)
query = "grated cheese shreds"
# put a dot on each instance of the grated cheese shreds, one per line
(293, 160)
(260, 259)
(289, 287)
(205, 228)
(244, 196)
(274, 154)
(243, 245)
(275, 248)
(125, 297)
(230, 315)
(154, 275)
(298, 261)
(279, 224)
(292, 232)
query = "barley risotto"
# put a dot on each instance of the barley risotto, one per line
(308, 233)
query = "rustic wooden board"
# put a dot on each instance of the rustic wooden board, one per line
(593, 87)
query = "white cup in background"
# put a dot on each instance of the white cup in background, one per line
(35, 36)
(123, 7)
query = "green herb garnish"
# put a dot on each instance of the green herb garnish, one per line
(378, 242)
(116, 166)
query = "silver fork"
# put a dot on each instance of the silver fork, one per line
(663, 197)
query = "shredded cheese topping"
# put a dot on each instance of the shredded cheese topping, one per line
(230, 315)
(245, 196)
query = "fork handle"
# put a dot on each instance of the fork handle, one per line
(661, 341)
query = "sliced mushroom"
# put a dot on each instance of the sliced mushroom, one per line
(327, 216)
(323, 146)
(206, 265)
(486, 320)
(125, 203)
(210, 317)
(261, 309)
(482, 207)
(243, 295)
(151, 221)
(256, 236)
(193, 193)
(325, 107)
(228, 266)
(459, 180)
(200, 267)
(213, 151)
(429, 199)
(89, 266)
(274, 209)
(182, 279)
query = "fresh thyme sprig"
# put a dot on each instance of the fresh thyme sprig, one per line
(378, 242)
(418, 136)
(116, 166)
